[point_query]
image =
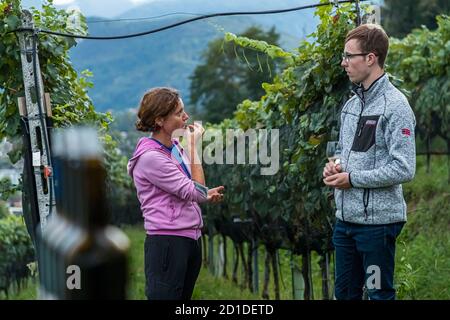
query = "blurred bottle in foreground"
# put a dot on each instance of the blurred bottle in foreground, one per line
(81, 256)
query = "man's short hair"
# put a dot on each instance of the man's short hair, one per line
(371, 38)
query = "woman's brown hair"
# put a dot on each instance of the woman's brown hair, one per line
(157, 102)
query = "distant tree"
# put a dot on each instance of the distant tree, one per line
(399, 17)
(228, 75)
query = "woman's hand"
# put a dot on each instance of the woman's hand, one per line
(215, 195)
(195, 132)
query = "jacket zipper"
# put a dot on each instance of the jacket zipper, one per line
(366, 193)
(359, 132)
(350, 151)
(366, 196)
(199, 219)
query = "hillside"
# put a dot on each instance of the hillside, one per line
(124, 69)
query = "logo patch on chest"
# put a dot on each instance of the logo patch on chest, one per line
(371, 122)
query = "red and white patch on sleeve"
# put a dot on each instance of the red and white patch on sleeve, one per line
(406, 132)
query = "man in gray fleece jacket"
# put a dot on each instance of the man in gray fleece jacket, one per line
(377, 154)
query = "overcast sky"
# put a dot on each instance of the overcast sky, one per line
(103, 8)
(113, 8)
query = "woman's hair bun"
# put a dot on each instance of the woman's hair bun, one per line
(140, 126)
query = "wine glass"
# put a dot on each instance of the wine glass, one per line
(331, 152)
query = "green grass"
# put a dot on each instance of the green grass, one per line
(27, 292)
(422, 259)
(136, 285)
(211, 287)
(423, 256)
(207, 287)
(285, 275)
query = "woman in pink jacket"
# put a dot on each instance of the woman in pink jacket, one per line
(169, 187)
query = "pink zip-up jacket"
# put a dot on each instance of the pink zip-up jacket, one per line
(169, 199)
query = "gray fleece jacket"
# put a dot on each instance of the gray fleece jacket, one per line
(377, 147)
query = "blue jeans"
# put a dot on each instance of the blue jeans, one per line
(365, 255)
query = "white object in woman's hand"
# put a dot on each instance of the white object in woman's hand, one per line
(195, 132)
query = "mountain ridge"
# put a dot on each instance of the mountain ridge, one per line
(124, 69)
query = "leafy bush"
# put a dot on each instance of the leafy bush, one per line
(422, 60)
(71, 104)
(16, 252)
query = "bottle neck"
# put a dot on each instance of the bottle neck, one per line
(92, 211)
(81, 195)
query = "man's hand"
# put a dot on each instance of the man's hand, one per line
(331, 168)
(215, 195)
(338, 180)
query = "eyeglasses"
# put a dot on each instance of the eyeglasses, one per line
(347, 56)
